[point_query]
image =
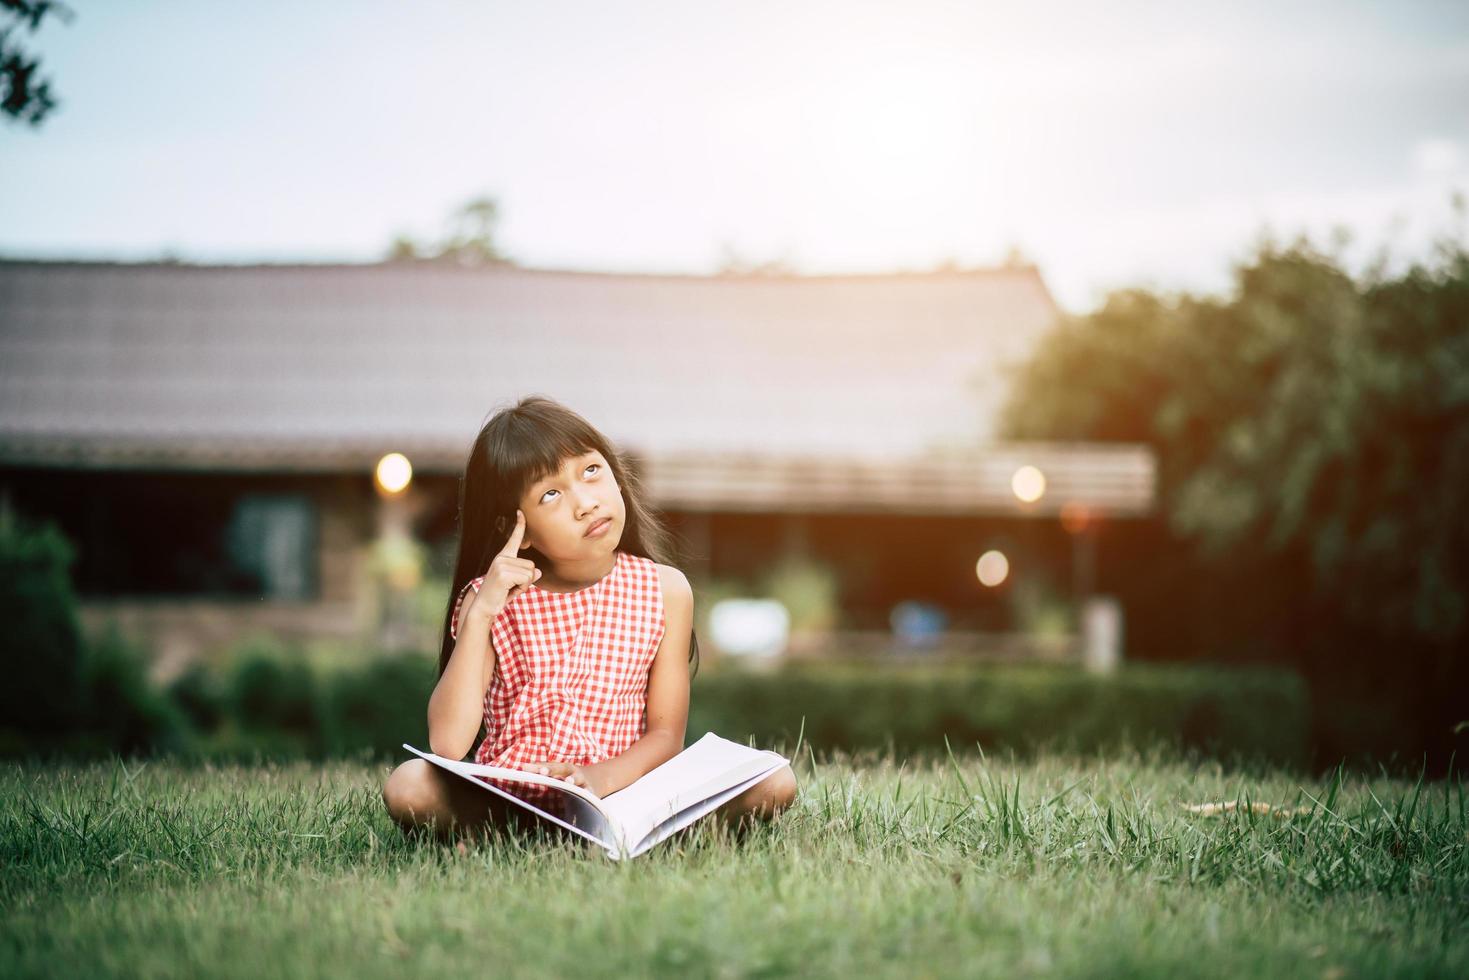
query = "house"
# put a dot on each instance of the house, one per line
(208, 435)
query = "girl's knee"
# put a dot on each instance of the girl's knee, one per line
(411, 793)
(766, 798)
(782, 790)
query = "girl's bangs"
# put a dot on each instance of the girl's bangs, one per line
(543, 458)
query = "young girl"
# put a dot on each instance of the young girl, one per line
(567, 634)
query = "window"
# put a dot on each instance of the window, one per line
(271, 539)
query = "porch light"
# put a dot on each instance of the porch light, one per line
(1028, 484)
(992, 568)
(394, 473)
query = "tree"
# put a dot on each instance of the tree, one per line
(1312, 432)
(470, 240)
(24, 95)
(732, 263)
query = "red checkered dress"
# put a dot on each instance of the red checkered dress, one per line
(571, 670)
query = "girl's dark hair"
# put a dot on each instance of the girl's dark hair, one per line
(517, 447)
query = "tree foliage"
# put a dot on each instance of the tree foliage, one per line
(469, 241)
(1311, 426)
(24, 95)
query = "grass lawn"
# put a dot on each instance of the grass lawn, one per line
(1055, 867)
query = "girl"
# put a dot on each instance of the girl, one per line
(565, 635)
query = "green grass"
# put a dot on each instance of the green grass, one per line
(1058, 867)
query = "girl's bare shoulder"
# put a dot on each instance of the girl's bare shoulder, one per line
(675, 585)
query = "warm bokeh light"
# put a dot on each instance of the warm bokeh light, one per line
(1075, 517)
(992, 568)
(1028, 483)
(394, 472)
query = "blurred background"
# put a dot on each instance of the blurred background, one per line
(1077, 377)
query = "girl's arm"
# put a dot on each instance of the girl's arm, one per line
(456, 707)
(668, 694)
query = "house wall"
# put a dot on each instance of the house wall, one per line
(878, 560)
(153, 555)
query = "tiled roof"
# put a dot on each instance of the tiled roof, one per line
(1107, 480)
(399, 354)
(329, 366)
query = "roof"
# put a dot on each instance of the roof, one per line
(1100, 480)
(329, 366)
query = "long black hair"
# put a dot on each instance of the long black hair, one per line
(518, 446)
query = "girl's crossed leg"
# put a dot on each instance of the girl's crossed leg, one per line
(763, 801)
(421, 797)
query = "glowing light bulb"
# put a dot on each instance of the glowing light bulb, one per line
(394, 472)
(1028, 483)
(992, 568)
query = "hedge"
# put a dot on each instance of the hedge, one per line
(264, 706)
(1255, 713)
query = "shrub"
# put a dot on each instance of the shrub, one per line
(375, 707)
(43, 647)
(807, 589)
(272, 691)
(200, 694)
(121, 710)
(1245, 713)
(369, 709)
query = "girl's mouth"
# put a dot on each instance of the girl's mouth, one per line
(598, 529)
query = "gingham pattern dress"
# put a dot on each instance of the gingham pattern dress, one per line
(571, 670)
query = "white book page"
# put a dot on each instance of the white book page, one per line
(628, 822)
(513, 775)
(685, 817)
(709, 766)
(584, 813)
(586, 819)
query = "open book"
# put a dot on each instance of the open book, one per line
(666, 799)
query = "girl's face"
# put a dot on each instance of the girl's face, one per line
(561, 508)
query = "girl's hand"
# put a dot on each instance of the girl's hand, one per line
(583, 776)
(506, 578)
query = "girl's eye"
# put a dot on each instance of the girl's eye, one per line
(588, 467)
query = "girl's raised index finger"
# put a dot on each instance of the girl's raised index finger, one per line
(512, 546)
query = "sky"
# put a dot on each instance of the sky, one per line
(1115, 145)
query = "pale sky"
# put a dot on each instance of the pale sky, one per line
(1114, 143)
